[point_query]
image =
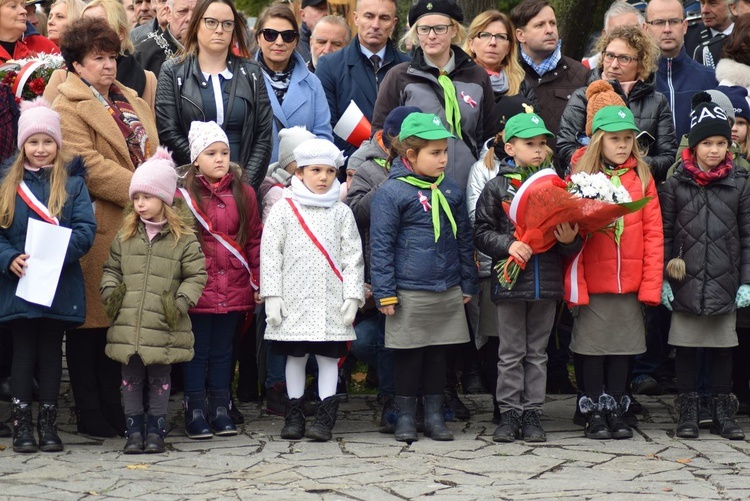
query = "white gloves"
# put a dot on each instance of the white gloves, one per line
(275, 310)
(349, 311)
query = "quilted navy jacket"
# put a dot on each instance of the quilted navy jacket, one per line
(404, 254)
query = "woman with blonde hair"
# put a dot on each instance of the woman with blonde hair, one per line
(629, 62)
(61, 14)
(491, 42)
(130, 73)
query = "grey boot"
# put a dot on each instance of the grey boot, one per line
(509, 428)
(687, 406)
(406, 420)
(434, 422)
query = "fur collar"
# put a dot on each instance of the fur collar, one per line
(729, 72)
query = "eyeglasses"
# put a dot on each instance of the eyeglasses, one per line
(486, 36)
(439, 29)
(288, 36)
(212, 24)
(661, 23)
(623, 59)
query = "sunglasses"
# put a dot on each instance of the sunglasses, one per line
(287, 36)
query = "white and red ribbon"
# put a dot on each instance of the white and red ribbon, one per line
(24, 74)
(518, 205)
(34, 204)
(224, 239)
(316, 241)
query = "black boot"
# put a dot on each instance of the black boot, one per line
(471, 379)
(218, 414)
(135, 433)
(725, 407)
(294, 419)
(388, 415)
(509, 427)
(531, 426)
(406, 420)
(596, 424)
(325, 419)
(196, 426)
(47, 428)
(687, 406)
(155, 433)
(434, 423)
(705, 411)
(23, 428)
(234, 413)
(614, 413)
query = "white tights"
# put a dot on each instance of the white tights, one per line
(328, 376)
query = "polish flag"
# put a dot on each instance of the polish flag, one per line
(353, 126)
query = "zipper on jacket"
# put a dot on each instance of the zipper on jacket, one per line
(671, 90)
(193, 103)
(619, 267)
(705, 253)
(143, 297)
(536, 276)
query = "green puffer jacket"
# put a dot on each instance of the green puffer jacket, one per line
(147, 289)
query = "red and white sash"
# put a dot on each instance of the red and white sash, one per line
(316, 241)
(232, 246)
(34, 204)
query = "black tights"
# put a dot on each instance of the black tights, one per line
(605, 373)
(423, 368)
(719, 367)
(37, 343)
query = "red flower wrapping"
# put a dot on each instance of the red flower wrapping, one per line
(37, 86)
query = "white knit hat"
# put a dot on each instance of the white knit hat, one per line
(204, 134)
(156, 176)
(289, 139)
(318, 152)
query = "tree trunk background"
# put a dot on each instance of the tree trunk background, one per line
(579, 23)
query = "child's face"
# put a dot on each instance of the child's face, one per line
(711, 152)
(430, 161)
(292, 167)
(40, 150)
(617, 146)
(213, 162)
(739, 130)
(317, 178)
(527, 152)
(149, 207)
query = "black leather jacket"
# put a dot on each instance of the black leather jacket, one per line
(179, 103)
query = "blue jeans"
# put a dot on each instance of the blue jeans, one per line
(275, 366)
(214, 334)
(369, 347)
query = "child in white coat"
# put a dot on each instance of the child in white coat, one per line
(313, 282)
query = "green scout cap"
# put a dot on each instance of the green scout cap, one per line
(424, 126)
(524, 126)
(614, 119)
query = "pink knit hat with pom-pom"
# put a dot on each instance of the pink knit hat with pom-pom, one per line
(156, 176)
(37, 117)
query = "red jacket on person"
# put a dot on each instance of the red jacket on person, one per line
(29, 46)
(637, 264)
(228, 287)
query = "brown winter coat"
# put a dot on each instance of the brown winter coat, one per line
(89, 131)
(147, 289)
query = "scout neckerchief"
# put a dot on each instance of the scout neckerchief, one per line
(614, 178)
(438, 200)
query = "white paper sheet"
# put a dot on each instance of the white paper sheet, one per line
(46, 244)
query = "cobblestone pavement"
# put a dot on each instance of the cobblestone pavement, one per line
(361, 464)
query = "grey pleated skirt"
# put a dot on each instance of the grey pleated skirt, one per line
(703, 332)
(425, 318)
(611, 324)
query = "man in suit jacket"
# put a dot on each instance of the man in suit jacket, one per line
(704, 41)
(354, 73)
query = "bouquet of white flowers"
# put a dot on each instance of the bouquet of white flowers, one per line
(598, 187)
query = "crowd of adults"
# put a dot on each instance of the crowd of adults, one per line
(139, 72)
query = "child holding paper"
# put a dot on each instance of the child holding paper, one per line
(226, 214)
(155, 272)
(39, 185)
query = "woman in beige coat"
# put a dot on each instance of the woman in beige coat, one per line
(114, 131)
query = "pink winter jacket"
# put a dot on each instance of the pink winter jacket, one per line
(228, 287)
